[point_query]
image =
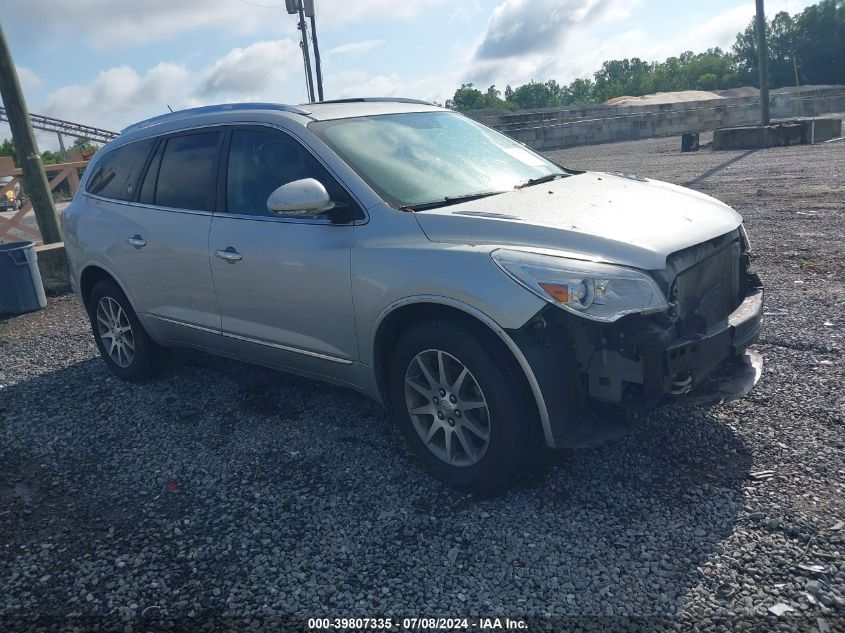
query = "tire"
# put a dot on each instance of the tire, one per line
(467, 461)
(137, 357)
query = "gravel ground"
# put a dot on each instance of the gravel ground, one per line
(222, 494)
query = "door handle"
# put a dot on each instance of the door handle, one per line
(137, 241)
(230, 255)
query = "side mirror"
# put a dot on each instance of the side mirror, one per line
(300, 197)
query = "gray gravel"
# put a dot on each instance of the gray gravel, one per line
(222, 494)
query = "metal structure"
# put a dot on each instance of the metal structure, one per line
(305, 8)
(29, 157)
(62, 128)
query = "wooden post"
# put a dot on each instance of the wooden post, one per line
(28, 154)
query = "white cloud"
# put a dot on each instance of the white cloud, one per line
(28, 78)
(524, 27)
(333, 14)
(116, 93)
(378, 86)
(121, 95)
(465, 11)
(719, 30)
(578, 48)
(245, 71)
(541, 39)
(356, 83)
(354, 47)
(120, 23)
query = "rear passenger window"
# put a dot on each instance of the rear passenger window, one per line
(116, 174)
(188, 172)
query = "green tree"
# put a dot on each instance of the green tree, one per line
(51, 158)
(579, 91)
(467, 97)
(707, 81)
(84, 145)
(538, 95)
(781, 33)
(820, 43)
(7, 148)
(620, 77)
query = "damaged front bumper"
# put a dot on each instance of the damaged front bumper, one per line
(635, 363)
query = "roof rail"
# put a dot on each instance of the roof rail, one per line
(223, 107)
(374, 99)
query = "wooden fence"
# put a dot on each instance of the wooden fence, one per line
(13, 224)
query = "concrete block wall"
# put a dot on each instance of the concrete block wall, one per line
(555, 128)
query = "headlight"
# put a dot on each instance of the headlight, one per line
(596, 291)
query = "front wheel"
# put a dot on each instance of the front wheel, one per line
(122, 341)
(461, 411)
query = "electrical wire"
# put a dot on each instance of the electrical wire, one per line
(262, 79)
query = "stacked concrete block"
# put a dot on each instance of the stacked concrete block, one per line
(552, 128)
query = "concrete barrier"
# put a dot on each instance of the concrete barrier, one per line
(793, 132)
(52, 262)
(555, 128)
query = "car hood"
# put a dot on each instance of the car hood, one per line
(616, 218)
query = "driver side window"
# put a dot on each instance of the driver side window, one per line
(260, 161)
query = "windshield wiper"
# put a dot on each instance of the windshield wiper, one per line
(541, 180)
(443, 202)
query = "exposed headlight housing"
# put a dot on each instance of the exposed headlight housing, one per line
(601, 292)
(746, 246)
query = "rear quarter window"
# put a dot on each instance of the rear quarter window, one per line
(116, 174)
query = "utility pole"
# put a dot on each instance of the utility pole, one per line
(295, 6)
(318, 66)
(763, 63)
(305, 8)
(29, 157)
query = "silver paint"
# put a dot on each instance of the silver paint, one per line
(309, 296)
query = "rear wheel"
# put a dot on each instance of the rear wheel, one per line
(121, 340)
(461, 412)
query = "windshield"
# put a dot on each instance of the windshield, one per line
(424, 157)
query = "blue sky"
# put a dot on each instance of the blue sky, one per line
(112, 62)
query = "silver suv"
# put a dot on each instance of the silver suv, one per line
(490, 299)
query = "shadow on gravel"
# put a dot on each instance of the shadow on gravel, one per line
(221, 487)
(715, 170)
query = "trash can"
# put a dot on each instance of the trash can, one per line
(21, 289)
(689, 142)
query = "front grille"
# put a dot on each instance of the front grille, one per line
(707, 292)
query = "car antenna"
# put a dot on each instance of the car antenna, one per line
(168, 107)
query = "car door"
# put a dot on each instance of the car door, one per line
(165, 261)
(283, 282)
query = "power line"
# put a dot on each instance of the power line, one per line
(262, 78)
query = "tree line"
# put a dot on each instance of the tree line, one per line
(808, 46)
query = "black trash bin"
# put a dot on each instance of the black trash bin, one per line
(21, 289)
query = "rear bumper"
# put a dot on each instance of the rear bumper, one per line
(634, 364)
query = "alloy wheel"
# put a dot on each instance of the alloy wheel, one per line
(447, 408)
(115, 332)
